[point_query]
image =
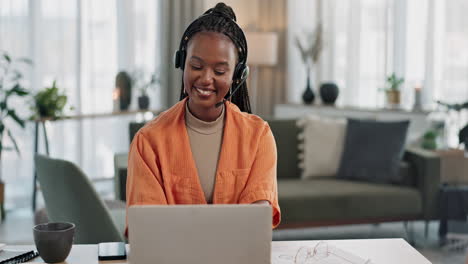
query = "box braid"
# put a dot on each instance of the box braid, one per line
(222, 19)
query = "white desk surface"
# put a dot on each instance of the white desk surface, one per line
(379, 251)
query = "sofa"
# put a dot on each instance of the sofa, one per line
(331, 201)
(324, 201)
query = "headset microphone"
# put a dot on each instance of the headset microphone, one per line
(245, 74)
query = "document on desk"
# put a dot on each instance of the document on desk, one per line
(321, 253)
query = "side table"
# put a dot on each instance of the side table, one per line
(453, 206)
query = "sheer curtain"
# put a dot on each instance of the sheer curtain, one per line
(15, 34)
(81, 44)
(176, 15)
(424, 41)
(355, 48)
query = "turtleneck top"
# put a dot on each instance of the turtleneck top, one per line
(205, 142)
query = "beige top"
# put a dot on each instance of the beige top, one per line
(205, 143)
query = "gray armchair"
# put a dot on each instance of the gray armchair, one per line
(70, 197)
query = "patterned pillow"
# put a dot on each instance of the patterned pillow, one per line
(323, 140)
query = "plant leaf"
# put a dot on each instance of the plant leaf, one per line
(25, 60)
(13, 115)
(7, 58)
(14, 142)
(18, 90)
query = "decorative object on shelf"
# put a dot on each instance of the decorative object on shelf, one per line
(123, 82)
(393, 90)
(49, 103)
(116, 100)
(310, 54)
(429, 140)
(456, 126)
(143, 102)
(308, 96)
(11, 79)
(144, 83)
(417, 99)
(435, 136)
(329, 92)
(463, 138)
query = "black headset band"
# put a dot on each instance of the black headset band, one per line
(242, 51)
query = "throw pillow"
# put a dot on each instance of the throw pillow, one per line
(323, 140)
(373, 151)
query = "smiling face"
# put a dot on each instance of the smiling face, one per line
(208, 71)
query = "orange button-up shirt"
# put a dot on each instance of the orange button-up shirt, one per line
(161, 169)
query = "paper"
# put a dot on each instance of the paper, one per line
(321, 253)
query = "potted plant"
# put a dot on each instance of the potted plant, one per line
(393, 89)
(144, 83)
(49, 103)
(11, 86)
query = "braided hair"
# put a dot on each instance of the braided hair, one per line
(222, 19)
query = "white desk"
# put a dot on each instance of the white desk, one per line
(379, 251)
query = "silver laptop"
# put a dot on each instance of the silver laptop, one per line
(208, 234)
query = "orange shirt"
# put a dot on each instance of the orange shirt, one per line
(161, 169)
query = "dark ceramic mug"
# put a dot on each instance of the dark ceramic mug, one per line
(54, 240)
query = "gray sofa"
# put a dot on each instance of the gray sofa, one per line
(333, 201)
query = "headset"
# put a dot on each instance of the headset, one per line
(241, 71)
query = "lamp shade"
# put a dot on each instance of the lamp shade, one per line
(262, 47)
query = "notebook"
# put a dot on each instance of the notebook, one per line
(13, 257)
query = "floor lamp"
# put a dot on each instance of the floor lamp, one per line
(263, 51)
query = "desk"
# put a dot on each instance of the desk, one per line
(380, 251)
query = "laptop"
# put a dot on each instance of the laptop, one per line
(195, 234)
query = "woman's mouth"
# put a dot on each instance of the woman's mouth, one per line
(204, 91)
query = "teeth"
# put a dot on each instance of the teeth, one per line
(204, 92)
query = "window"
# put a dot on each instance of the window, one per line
(81, 44)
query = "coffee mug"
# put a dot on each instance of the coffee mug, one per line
(54, 241)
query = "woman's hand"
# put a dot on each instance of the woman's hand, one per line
(262, 202)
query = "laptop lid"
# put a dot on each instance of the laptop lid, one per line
(205, 234)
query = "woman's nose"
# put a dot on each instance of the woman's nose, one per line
(207, 77)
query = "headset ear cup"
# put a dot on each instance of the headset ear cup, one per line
(176, 59)
(179, 59)
(241, 72)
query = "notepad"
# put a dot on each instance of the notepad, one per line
(13, 257)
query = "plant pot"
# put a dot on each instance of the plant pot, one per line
(143, 102)
(329, 92)
(393, 97)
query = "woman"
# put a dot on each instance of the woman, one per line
(207, 148)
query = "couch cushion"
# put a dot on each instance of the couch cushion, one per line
(323, 145)
(285, 132)
(334, 199)
(373, 151)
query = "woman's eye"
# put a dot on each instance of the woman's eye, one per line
(219, 72)
(196, 67)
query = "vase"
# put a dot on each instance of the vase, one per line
(308, 96)
(143, 102)
(329, 92)
(123, 82)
